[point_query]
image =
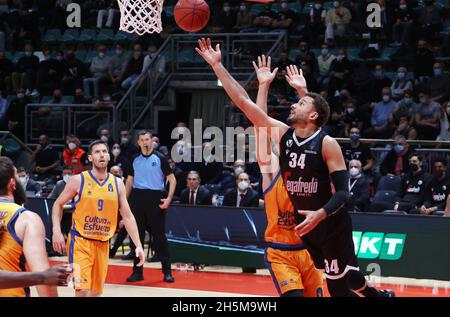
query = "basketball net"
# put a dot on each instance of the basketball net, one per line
(140, 16)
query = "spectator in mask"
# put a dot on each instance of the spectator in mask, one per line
(437, 192)
(439, 84)
(117, 66)
(74, 156)
(377, 83)
(306, 56)
(381, 115)
(316, 22)
(356, 150)
(427, 118)
(228, 182)
(129, 149)
(403, 27)
(405, 107)
(105, 135)
(25, 75)
(429, 19)
(337, 20)
(134, 67)
(28, 184)
(423, 62)
(98, 71)
(61, 184)
(243, 195)
(414, 184)
(358, 186)
(396, 161)
(401, 84)
(225, 21)
(244, 18)
(340, 71)
(119, 159)
(46, 159)
(324, 62)
(15, 114)
(159, 65)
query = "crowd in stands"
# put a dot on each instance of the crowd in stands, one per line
(389, 82)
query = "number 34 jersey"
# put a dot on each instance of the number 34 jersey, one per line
(305, 173)
(96, 209)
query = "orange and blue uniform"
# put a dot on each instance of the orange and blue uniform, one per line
(289, 263)
(10, 245)
(94, 222)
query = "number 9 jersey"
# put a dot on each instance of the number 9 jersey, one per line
(96, 209)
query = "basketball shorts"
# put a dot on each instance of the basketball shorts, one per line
(89, 259)
(331, 246)
(294, 270)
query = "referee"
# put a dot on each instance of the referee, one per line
(145, 185)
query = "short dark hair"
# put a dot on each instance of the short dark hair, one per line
(419, 157)
(440, 160)
(144, 132)
(96, 142)
(6, 173)
(322, 108)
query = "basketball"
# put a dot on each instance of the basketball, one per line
(191, 15)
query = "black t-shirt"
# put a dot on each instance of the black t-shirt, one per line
(361, 153)
(285, 15)
(404, 15)
(47, 156)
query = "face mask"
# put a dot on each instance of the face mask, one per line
(437, 72)
(284, 5)
(124, 140)
(399, 148)
(355, 137)
(23, 181)
(155, 145)
(66, 178)
(350, 110)
(408, 100)
(336, 4)
(318, 6)
(72, 146)
(101, 54)
(413, 167)
(116, 152)
(354, 171)
(226, 9)
(59, 58)
(243, 185)
(119, 52)
(340, 57)
(386, 98)
(423, 100)
(28, 53)
(324, 52)
(242, 8)
(20, 95)
(403, 6)
(401, 75)
(104, 138)
(238, 170)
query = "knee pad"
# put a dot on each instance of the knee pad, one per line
(355, 280)
(339, 288)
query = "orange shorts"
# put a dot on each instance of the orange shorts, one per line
(89, 259)
(294, 270)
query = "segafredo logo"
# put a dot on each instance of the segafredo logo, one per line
(372, 245)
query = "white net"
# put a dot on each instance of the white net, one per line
(140, 16)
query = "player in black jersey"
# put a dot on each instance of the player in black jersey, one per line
(309, 159)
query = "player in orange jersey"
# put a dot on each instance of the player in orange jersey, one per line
(21, 233)
(100, 195)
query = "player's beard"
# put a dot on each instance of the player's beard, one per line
(296, 119)
(19, 194)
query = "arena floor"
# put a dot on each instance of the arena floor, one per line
(218, 281)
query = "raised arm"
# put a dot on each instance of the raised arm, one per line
(234, 90)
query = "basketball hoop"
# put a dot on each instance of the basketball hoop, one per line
(140, 16)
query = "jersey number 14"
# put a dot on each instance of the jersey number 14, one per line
(293, 162)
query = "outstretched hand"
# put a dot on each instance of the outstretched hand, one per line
(265, 76)
(295, 79)
(210, 55)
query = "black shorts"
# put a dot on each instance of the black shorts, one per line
(331, 246)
